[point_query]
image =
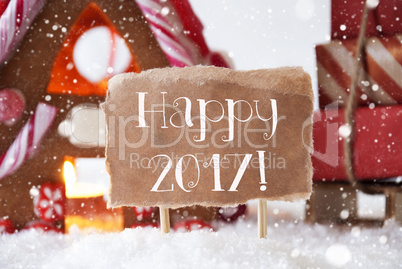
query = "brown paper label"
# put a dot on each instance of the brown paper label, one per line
(208, 136)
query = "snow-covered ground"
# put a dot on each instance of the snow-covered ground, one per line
(291, 243)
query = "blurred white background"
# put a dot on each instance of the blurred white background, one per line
(266, 33)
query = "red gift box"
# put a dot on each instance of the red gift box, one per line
(377, 146)
(346, 18)
(380, 80)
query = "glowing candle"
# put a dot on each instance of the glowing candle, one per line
(86, 206)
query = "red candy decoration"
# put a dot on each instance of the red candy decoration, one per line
(6, 226)
(42, 226)
(49, 205)
(230, 214)
(143, 212)
(192, 225)
(217, 60)
(3, 6)
(12, 104)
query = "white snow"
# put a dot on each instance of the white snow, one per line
(291, 243)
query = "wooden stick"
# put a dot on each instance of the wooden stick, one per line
(165, 220)
(262, 218)
(390, 204)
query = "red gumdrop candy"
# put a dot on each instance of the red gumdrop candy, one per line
(12, 104)
(6, 226)
(218, 60)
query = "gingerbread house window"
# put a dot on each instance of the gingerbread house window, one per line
(92, 53)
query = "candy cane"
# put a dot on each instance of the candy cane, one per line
(169, 37)
(15, 22)
(28, 140)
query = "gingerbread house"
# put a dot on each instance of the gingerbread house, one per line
(58, 55)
